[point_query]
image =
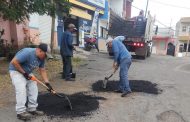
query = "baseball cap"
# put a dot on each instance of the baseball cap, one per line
(45, 48)
(72, 26)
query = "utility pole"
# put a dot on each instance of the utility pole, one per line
(146, 7)
(52, 29)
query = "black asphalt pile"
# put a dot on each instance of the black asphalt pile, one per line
(83, 105)
(136, 86)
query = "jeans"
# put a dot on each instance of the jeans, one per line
(124, 82)
(67, 67)
(24, 89)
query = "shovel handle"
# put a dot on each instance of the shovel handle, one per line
(40, 82)
(52, 91)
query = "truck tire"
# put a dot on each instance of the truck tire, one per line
(145, 56)
(149, 53)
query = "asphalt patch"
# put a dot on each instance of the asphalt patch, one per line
(83, 105)
(136, 86)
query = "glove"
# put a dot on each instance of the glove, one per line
(49, 87)
(27, 76)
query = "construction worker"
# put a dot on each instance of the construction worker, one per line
(140, 24)
(66, 50)
(122, 59)
(20, 68)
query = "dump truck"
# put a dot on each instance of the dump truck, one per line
(138, 30)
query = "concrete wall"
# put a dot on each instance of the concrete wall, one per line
(42, 25)
(127, 9)
(6, 26)
(117, 6)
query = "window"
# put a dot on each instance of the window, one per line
(104, 33)
(184, 29)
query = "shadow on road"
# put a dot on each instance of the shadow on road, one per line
(82, 104)
(136, 86)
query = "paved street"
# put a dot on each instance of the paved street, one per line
(166, 77)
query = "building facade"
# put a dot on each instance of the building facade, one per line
(164, 42)
(183, 35)
(14, 34)
(91, 17)
(82, 15)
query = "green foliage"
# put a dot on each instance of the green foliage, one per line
(19, 10)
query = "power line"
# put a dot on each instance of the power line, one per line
(155, 20)
(136, 7)
(171, 5)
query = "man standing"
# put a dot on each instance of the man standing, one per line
(66, 50)
(122, 58)
(20, 68)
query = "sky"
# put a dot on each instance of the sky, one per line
(167, 12)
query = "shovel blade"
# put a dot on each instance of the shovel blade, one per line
(68, 100)
(105, 83)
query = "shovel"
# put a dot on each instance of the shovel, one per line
(107, 78)
(53, 91)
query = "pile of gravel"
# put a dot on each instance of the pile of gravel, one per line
(83, 105)
(136, 86)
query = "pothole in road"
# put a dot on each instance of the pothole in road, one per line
(170, 116)
(83, 105)
(136, 86)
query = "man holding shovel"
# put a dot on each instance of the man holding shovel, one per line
(66, 50)
(20, 68)
(122, 58)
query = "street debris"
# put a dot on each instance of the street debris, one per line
(136, 86)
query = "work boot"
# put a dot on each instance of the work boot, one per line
(24, 116)
(37, 113)
(125, 93)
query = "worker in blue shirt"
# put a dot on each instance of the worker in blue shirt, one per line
(66, 50)
(122, 59)
(20, 69)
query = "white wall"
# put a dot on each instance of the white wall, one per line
(43, 23)
(117, 6)
(102, 23)
(34, 21)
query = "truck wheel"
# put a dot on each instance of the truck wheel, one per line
(149, 53)
(145, 56)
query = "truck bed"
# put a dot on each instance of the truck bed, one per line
(131, 28)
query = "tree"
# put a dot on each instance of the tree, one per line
(19, 10)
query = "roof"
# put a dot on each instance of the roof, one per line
(185, 19)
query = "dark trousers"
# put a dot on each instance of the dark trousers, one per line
(67, 67)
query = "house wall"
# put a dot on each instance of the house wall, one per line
(13, 31)
(160, 46)
(6, 26)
